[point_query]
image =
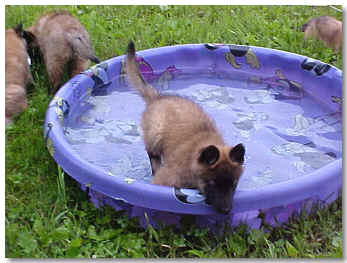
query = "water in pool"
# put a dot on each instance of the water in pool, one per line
(286, 133)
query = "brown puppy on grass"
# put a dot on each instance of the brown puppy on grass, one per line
(61, 39)
(326, 29)
(17, 73)
(183, 144)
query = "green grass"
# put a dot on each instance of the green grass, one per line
(47, 215)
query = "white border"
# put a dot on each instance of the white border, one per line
(136, 2)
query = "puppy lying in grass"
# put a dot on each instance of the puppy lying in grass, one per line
(326, 29)
(183, 144)
(61, 38)
(17, 72)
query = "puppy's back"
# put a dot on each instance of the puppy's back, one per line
(52, 21)
(16, 59)
(17, 74)
(61, 30)
(176, 121)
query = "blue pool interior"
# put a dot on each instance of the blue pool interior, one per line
(286, 132)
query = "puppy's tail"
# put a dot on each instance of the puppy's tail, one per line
(147, 92)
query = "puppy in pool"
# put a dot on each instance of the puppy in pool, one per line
(184, 146)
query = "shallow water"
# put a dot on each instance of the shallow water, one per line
(286, 133)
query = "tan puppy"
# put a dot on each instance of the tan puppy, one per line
(17, 73)
(183, 144)
(326, 29)
(62, 39)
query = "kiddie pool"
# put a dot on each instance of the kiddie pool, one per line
(285, 108)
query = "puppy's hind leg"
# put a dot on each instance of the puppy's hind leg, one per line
(155, 162)
(15, 99)
(154, 148)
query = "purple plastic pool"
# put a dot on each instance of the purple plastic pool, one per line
(285, 108)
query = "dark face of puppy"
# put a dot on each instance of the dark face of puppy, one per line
(224, 167)
(26, 35)
(31, 43)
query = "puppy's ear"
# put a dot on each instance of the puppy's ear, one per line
(237, 153)
(19, 29)
(209, 155)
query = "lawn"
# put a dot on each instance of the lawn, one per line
(48, 216)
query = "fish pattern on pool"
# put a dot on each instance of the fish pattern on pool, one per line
(282, 127)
